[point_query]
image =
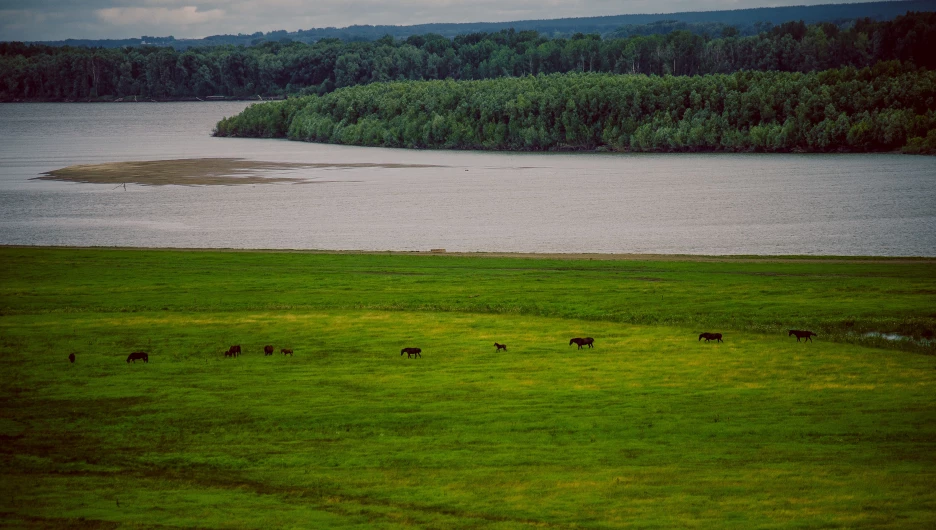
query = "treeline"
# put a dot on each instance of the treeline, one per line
(885, 107)
(30, 72)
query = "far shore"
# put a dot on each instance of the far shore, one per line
(527, 255)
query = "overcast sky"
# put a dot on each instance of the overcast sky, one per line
(32, 20)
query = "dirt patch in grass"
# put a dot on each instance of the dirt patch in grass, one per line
(197, 172)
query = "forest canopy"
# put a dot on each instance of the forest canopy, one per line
(277, 69)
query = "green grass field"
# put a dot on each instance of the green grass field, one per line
(650, 429)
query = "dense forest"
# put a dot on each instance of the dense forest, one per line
(888, 106)
(274, 69)
(744, 21)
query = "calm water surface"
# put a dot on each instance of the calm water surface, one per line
(882, 205)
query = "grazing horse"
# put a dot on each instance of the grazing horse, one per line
(587, 341)
(142, 355)
(802, 334)
(410, 352)
(286, 351)
(711, 336)
(268, 350)
(233, 351)
(500, 346)
(71, 357)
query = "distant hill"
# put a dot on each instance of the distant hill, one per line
(744, 21)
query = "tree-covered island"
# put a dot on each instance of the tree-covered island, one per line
(886, 107)
(788, 104)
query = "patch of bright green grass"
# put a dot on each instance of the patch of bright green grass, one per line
(651, 428)
(841, 299)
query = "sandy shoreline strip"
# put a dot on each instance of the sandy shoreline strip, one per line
(524, 255)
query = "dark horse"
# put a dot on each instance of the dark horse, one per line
(711, 336)
(500, 346)
(142, 355)
(71, 357)
(587, 341)
(802, 334)
(410, 352)
(286, 351)
(233, 351)
(268, 350)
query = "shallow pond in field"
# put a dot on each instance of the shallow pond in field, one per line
(334, 197)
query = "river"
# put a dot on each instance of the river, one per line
(374, 199)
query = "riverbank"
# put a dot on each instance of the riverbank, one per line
(525, 255)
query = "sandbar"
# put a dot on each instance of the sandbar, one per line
(198, 172)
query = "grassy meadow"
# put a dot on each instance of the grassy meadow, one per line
(650, 429)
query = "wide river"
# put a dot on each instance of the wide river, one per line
(371, 199)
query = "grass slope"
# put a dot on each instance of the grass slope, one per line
(651, 428)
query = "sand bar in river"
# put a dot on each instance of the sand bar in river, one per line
(196, 172)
